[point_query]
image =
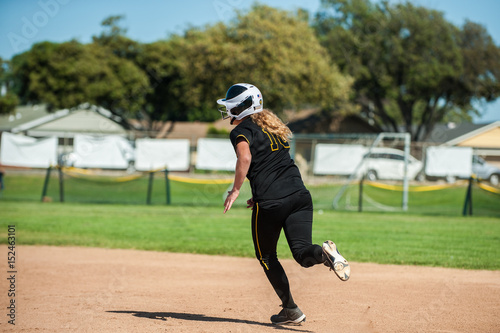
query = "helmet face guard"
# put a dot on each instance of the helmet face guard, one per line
(233, 109)
(241, 100)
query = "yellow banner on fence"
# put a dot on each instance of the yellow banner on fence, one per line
(200, 181)
(489, 188)
(80, 173)
(423, 188)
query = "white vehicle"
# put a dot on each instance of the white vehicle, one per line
(481, 169)
(388, 163)
(485, 171)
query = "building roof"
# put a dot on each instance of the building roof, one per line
(487, 136)
(85, 118)
(467, 134)
(318, 123)
(444, 133)
(180, 129)
(21, 115)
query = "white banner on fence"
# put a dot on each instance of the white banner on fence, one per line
(335, 159)
(152, 154)
(215, 154)
(109, 152)
(448, 161)
(25, 151)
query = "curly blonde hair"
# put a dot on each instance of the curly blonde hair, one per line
(270, 122)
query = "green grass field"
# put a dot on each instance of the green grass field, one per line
(194, 223)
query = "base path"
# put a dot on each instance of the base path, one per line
(68, 289)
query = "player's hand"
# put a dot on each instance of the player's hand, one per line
(250, 203)
(231, 197)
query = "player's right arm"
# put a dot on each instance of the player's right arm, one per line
(244, 158)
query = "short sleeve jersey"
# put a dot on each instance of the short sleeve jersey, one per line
(272, 173)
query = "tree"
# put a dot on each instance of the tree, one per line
(68, 74)
(114, 38)
(162, 62)
(8, 100)
(411, 66)
(481, 63)
(209, 63)
(275, 50)
(283, 56)
(181, 78)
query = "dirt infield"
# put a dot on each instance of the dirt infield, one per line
(67, 289)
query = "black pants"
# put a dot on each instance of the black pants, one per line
(294, 215)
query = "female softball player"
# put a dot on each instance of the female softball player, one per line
(279, 198)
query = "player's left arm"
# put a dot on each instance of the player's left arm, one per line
(244, 158)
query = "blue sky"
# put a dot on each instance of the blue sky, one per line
(24, 22)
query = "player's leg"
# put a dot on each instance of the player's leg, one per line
(266, 229)
(298, 230)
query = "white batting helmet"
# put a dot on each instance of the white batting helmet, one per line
(242, 99)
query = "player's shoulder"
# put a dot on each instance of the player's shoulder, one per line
(245, 126)
(247, 129)
(235, 132)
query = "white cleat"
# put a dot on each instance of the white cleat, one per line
(335, 261)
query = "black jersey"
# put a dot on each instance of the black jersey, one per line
(272, 173)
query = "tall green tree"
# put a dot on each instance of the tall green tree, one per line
(8, 99)
(210, 62)
(67, 74)
(162, 61)
(412, 68)
(273, 49)
(282, 55)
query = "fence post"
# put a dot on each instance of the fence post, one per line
(360, 199)
(313, 155)
(167, 184)
(46, 182)
(61, 184)
(150, 187)
(468, 200)
(471, 180)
